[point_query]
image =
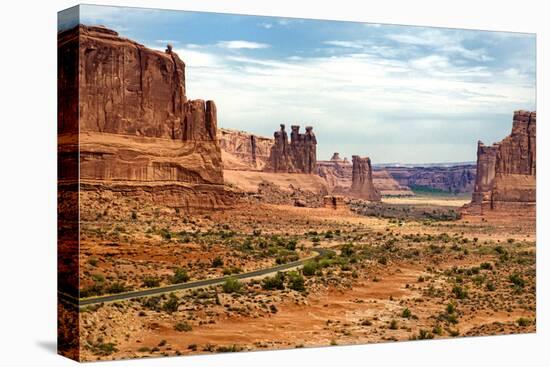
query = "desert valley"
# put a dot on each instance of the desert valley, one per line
(190, 238)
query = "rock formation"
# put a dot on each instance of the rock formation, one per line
(244, 151)
(362, 186)
(337, 172)
(124, 112)
(300, 156)
(453, 179)
(506, 171)
(334, 202)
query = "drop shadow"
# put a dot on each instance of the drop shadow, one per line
(48, 345)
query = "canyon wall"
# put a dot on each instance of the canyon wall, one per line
(362, 186)
(136, 131)
(244, 151)
(298, 156)
(506, 177)
(453, 179)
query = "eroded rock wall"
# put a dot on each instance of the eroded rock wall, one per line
(244, 151)
(506, 179)
(453, 179)
(135, 126)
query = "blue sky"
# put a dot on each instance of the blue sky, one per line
(394, 93)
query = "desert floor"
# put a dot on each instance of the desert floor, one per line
(389, 279)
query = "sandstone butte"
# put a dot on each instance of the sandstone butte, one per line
(244, 151)
(362, 186)
(506, 171)
(125, 123)
(337, 172)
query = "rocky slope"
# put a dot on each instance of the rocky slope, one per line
(506, 171)
(138, 132)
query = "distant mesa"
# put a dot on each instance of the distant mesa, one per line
(506, 171)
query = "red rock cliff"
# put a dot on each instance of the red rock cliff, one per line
(136, 130)
(506, 177)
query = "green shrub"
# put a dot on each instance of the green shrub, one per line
(171, 305)
(393, 325)
(151, 282)
(309, 268)
(180, 276)
(517, 280)
(231, 285)
(347, 250)
(183, 326)
(406, 313)
(116, 287)
(296, 281)
(523, 322)
(274, 282)
(459, 292)
(217, 262)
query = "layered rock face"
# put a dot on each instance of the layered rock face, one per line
(136, 129)
(244, 151)
(337, 172)
(506, 177)
(452, 179)
(300, 156)
(362, 186)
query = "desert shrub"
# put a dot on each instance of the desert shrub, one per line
(517, 280)
(490, 286)
(183, 326)
(105, 349)
(347, 250)
(309, 268)
(393, 325)
(134, 215)
(232, 285)
(152, 303)
(171, 305)
(274, 282)
(383, 260)
(459, 292)
(180, 276)
(232, 270)
(486, 266)
(151, 282)
(217, 262)
(93, 261)
(424, 334)
(165, 234)
(296, 281)
(116, 287)
(523, 322)
(406, 313)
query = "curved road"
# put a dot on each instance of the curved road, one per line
(190, 285)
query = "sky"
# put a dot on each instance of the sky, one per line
(391, 92)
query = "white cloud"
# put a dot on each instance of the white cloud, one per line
(361, 92)
(345, 44)
(266, 25)
(233, 45)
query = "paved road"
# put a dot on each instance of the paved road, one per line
(190, 285)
